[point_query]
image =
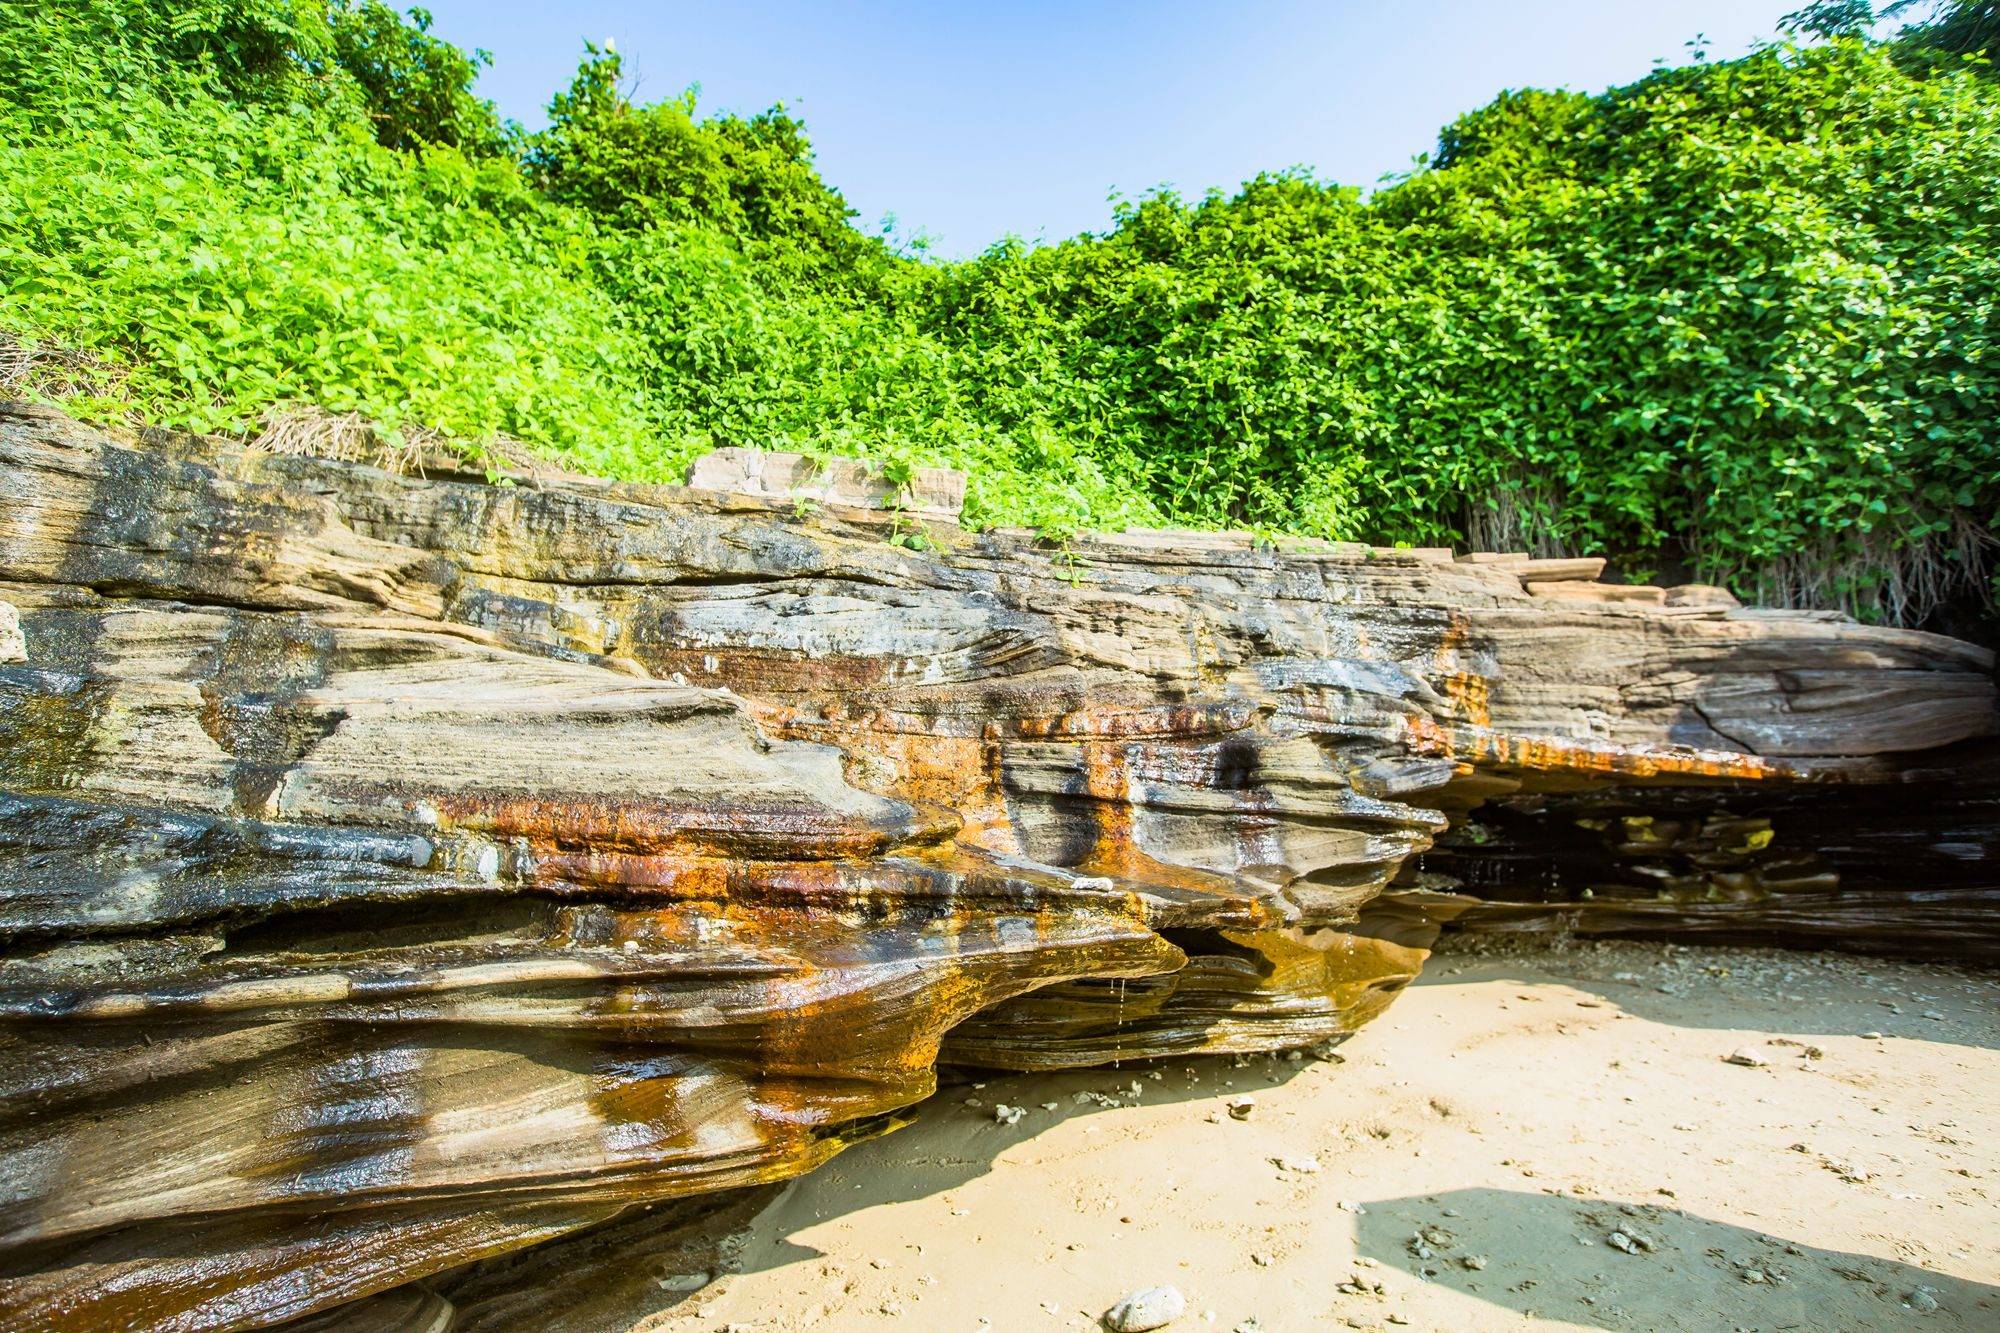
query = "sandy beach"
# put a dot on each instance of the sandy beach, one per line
(1597, 1137)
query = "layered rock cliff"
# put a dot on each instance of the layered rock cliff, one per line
(396, 873)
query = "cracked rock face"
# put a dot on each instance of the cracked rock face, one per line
(398, 874)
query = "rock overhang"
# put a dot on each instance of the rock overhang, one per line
(428, 867)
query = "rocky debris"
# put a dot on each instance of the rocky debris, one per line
(1702, 594)
(1009, 1115)
(13, 643)
(1150, 1307)
(1584, 569)
(397, 872)
(1241, 1108)
(930, 492)
(1747, 1057)
(1611, 594)
(1427, 1242)
(1805, 1050)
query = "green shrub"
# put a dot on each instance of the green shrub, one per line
(1736, 320)
(417, 88)
(751, 180)
(233, 256)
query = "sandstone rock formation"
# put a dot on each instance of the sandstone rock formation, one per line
(400, 873)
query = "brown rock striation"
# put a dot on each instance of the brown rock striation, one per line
(398, 873)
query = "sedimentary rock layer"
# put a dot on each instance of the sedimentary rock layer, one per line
(397, 873)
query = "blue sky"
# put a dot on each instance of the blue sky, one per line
(971, 121)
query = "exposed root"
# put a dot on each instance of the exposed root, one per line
(1878, 578)
(1522, 514)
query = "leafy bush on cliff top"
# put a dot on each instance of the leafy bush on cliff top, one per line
(1737, 319)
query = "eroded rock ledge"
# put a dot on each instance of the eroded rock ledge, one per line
(399, 873)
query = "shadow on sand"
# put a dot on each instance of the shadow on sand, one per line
(885, 1171)
(1731, 989)
(1700, 1273)
(629, 1270)
(639, 1266)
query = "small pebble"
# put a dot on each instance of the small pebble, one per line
(683, 1281)
(1150, 1307)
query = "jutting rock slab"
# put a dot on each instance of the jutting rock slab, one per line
(397, 873)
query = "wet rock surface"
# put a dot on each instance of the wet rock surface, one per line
(398, 874)
(1905, 869)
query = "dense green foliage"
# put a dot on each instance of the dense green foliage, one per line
(1739, 317)
(1954, 27)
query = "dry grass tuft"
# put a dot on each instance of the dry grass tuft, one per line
(352, 438)
(515, 456)
(57, 374)
(348, 436)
